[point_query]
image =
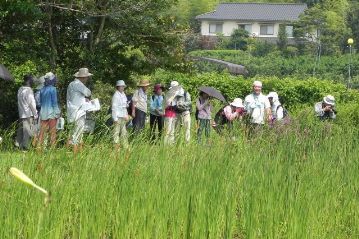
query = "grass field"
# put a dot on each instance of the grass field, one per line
(301, 182)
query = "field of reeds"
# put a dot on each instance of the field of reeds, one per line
(300, 181)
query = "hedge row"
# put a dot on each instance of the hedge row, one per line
(292, 92)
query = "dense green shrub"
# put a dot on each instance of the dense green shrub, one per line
(274, 64)
(293, 92)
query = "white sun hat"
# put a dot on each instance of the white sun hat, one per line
(120, 83)
(273, 95)
(83, 72)
(174, 84)
(237, 102)
(329, 100)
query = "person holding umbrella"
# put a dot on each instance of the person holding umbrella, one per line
(27, 113)
(204, 112)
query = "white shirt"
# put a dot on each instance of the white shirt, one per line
(76, 93)
(26, 102)
(256, 106)
(119, 106)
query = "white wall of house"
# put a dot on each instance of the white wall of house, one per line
(229, 26)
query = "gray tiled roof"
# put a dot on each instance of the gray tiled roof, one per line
(255, 11)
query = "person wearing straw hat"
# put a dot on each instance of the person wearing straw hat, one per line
(120, 115)
(325, 109)
(27, 113)
(156, 112)
(50, 110)
(228, 114)
(77, 95)
(139, 105)
(258, 107)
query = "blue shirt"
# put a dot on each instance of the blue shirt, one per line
(49, 104)
(156, 105)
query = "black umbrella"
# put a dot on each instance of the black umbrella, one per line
(212, 92)
(4, 73)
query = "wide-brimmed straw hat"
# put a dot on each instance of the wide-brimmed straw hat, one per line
(83, 72)
(144, 82)
(237, 103)
(120, 83)
(329, 100)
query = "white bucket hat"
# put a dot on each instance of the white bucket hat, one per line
(174, 84)
(329, 100)
(257, 83)
(237, 102)
(273, 95)
(83, 72)
(120, 83)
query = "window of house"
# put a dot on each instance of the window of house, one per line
(267, 29)
(247, 27)
(289, 31)
(215, 28)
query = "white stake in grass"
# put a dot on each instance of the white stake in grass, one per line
(25, 179)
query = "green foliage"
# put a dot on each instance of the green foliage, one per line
(301, 67)
(297, 182)
(282, 38)
(293, 92)
(239, 39)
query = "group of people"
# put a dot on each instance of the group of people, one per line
(167, 113)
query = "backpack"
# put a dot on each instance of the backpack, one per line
(220, 118)
(181, 108)
(285, 111)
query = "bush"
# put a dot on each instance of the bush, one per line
(275, 64)
(294, 93)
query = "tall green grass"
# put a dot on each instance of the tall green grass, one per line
(297, 182)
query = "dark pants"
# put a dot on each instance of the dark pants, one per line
(156, 120)
(204, 124)
(225, 126)
(139, 121)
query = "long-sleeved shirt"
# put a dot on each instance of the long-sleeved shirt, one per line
(119, 106)
(204, 109)
(140, 100)
(76, 97)
(319, 111)
(49, 103)
(156, 105)
(230, 115)
(26, 103)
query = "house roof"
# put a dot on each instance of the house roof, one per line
(255, 12)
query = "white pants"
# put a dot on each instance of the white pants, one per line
(170, 126)
(120, 129)
(78, 131)
(172, 123)
(185, 120)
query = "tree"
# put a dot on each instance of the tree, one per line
(282, 38)
(239, 39)
(325, 23)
